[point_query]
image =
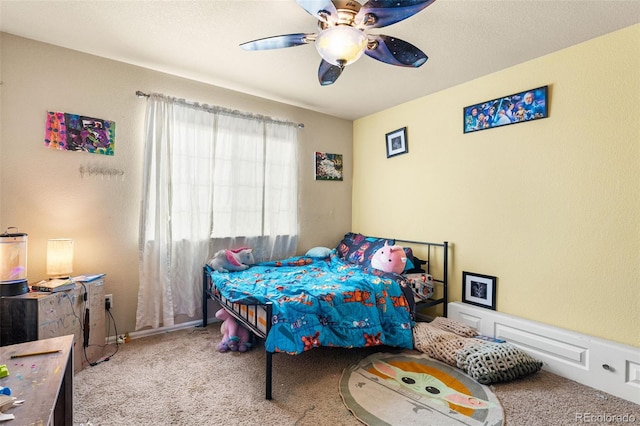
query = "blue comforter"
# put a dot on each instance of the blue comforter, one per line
(323, 302)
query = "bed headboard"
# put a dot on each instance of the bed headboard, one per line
(437, 257)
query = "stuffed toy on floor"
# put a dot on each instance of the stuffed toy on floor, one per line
(235, 337)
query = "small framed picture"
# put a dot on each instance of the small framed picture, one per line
(328, 166)
(479, 290)
(397, 142)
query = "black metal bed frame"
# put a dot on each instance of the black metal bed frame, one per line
(444, 300)
(209, 291)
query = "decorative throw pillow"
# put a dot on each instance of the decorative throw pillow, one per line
(495, 362)
(453, 326)
(359, 249)
(421, 285)
(437, 343)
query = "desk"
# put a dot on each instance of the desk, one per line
(44, 382)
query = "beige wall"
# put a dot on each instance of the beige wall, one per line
(550, 207)
(43, 194)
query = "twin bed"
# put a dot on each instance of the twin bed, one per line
(332, 297)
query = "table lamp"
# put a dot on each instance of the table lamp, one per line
(60, 258)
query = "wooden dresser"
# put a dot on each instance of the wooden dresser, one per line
(37, 315)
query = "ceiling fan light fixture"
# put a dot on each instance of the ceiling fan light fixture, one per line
(343, 35)
(341, 45)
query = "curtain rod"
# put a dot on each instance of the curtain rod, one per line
(224, 110)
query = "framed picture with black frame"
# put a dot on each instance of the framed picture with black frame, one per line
(397, 142)
(519, 107)
(479, 290)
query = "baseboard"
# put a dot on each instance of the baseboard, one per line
(601, 364)
(153, 331)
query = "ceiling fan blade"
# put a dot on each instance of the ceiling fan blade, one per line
(317, 7)
(278, 42)
(380, 13)
(394, 51)
(328, 73)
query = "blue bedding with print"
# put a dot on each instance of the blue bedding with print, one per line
(324, 302)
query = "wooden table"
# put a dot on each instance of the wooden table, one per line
(44, 382)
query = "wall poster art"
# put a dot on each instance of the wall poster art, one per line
(328, 166)
(517, 108)
(72, 132)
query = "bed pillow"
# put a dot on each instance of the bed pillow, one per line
(359, 249)
(409, 264)
(318, 252)
(416, 265)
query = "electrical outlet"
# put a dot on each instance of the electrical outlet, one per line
(108, 301)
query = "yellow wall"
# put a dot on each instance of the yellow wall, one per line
(550, 207)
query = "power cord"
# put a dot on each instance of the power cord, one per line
(84, 325)
(84, 322)
(108, 357)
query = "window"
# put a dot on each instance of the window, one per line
(212, 179)
(255, 180)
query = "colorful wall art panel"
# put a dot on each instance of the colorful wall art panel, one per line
(72, 132)
(517, 108)
(328, 166)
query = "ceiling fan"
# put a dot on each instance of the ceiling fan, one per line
(343, 35)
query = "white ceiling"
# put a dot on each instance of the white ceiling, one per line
(199, 39)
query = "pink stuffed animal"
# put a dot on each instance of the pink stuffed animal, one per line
(389, 259)
(235, 337)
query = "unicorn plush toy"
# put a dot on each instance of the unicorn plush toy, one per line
(235, 337)
(232, 260)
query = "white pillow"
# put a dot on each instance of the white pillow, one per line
(319, 252)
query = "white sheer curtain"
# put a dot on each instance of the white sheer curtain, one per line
(211, 180)
(256, 205)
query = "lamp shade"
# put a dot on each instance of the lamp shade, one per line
(341, 45)
(60, 257)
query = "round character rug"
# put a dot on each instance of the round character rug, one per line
(407, 389)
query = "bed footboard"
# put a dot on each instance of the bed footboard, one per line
(256, 318)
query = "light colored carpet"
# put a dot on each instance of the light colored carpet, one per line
(179, 378)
